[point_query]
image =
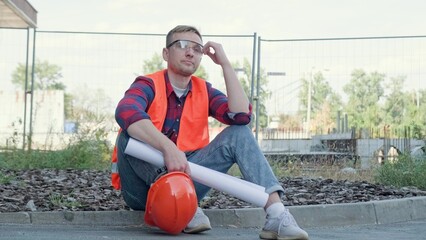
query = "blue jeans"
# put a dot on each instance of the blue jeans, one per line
(235, 144)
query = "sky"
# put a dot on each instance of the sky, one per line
(271, 19)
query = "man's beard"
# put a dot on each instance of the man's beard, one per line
(186, 72)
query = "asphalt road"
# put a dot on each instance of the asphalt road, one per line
(415, 229)
(393, 219)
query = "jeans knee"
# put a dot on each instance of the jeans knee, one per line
(239, 131)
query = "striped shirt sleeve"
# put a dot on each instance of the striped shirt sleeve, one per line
(219, 109)
(132, 107)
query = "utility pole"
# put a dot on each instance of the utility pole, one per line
(308, 114)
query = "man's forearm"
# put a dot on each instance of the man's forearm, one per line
(237, 98)
(146, 132)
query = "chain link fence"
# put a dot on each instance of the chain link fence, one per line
(96, 69)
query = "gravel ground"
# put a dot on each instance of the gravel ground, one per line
(89, 190)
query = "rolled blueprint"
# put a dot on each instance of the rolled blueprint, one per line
(244, 190)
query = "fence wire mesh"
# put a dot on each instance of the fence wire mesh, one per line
(97, 68)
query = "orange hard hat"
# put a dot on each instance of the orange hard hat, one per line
(171, 203)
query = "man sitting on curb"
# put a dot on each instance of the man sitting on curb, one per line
(169, 110)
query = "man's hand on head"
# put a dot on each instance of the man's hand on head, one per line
(216, 53)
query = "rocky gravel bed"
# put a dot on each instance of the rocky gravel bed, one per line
(89, 190)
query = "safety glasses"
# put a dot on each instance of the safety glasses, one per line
(186, 45)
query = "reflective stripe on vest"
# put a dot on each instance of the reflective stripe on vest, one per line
(193, 132)
(115, 178)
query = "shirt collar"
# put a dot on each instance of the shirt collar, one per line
(169, 87)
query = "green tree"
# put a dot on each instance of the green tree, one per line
(421, 115)
(325, 102)
(91, 105)
(396, 103)
(46, 76)
(153, 65)
(415, 113)
(201, 73)
(291, 122)
(323, 122)
(364, 92)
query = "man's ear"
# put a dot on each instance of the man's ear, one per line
(165, 54)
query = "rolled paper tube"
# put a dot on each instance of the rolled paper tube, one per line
(244, 190)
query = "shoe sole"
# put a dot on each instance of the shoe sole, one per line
(198, 229)
(274, 236)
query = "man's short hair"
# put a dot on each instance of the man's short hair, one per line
(181, 29)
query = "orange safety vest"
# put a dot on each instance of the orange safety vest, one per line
(193, 122)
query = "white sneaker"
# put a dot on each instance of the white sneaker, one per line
(199, 223)
(283, 227)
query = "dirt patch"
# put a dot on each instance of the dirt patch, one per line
(89, 190)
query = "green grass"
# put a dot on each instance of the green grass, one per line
(5, 179)
(62, 201)
(94, 153)
(403, 172)
(83, 154)
(296, 168)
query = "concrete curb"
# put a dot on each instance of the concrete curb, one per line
(366, 213)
